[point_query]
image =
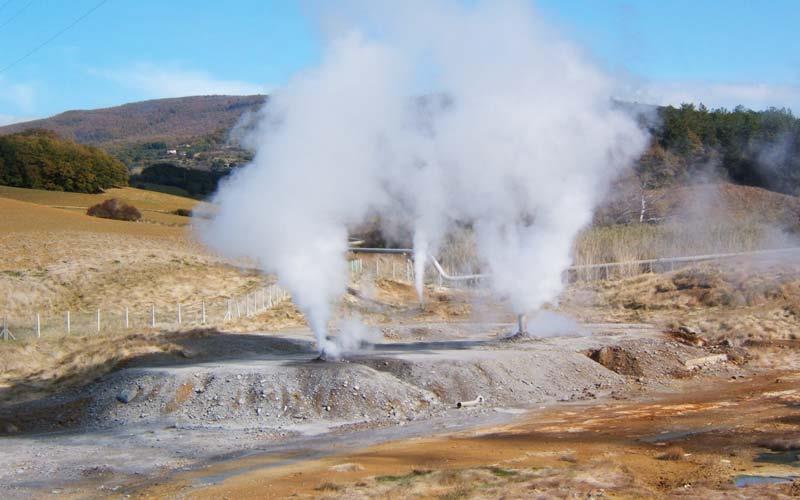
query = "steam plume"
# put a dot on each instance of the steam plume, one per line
(517, 136)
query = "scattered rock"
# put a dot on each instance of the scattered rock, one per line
(127, 394)
(705, 361)
(188, 353)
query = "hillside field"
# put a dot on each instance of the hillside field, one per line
(55, 259)
(155, 207)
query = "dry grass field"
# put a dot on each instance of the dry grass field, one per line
(55, 259)
(155, 207)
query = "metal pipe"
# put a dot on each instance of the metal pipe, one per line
(462, 277)
(380, 250)
(522, 324)
(467, 404)
(665, 260)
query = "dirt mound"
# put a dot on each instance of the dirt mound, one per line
(617, 360)
(254, 381)
(396, 291)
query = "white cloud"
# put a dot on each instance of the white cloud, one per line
(714, 94)
(9, 119)
(20, 96)
(171, 81)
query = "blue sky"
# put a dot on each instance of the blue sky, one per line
(721, 52)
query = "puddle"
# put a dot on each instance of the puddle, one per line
(791, 457)
(748, 480)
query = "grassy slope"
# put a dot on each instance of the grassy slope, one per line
(55, 259)
(155, 206)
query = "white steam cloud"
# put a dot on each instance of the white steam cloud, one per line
(516, 135)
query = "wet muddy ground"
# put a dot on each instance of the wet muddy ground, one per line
(709, 436)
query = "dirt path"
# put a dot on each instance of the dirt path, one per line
(696, 441)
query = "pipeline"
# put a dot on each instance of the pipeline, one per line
(664, 260)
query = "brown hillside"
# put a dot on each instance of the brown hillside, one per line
(160, 119)
(726, 200)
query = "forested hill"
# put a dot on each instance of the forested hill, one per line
(753, 148)
(689, 143)
(165, 120)
(40, 159)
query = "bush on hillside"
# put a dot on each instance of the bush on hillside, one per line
(183, 212)
(115, 209)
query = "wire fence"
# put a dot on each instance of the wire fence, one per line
(396, 266)
(48, 323)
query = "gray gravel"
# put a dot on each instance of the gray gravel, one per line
(154, 416)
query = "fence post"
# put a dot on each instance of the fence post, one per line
(6, 333)
(203, 312)
(238, 310)
(38, 326)
(98, 321)
(127, 323)
(153, 315)
(68, 326)
(229, 312)
(179, 313)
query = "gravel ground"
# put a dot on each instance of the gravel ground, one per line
(241, 393)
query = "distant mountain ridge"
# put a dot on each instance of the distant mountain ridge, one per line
(168, 120)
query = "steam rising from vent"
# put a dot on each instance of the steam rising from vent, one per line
(516, 135)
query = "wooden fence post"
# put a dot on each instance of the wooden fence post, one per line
(38, 326)
(203, 312)
(68, 323)
(127, 323)
(153, 315)
(179, 313)
(98, 321)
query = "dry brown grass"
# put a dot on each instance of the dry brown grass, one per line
(739, 302)
(627, 243)
(156, 207)
(30, 369)
(54, 260)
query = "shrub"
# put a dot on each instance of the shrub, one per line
(115, 209)
(183, 212)
(672, 453)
